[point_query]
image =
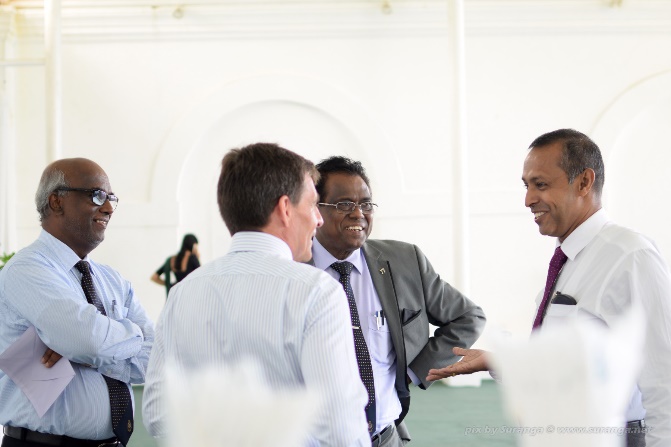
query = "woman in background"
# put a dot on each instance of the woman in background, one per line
(180, 265)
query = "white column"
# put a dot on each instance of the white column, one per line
(8, 238)
(459, 147)
(5, 193)
(52, 76)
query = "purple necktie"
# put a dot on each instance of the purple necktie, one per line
(556, 263)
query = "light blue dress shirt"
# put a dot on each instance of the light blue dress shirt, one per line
(378, 338)
(290, 318)
(40, 287)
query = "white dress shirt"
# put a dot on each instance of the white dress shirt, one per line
(378, 339)
(609, 267)
(291, 318)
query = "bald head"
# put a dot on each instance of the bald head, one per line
(54, 178)
(72, 216)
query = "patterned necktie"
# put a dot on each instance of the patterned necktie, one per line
(556, 264)
(120, 401)
(362, 355)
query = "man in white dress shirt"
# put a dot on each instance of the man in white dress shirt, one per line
(256, 302)
(609, 268)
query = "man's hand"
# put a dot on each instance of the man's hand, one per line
(50, 358)
(473, 360)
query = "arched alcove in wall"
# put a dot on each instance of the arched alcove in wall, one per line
(305, 115)
(633, 134)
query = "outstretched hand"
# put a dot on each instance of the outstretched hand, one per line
(473, 360)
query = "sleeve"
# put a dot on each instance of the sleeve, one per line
(161, 269)
(185, 341)
(334, 371)
(459, 321)
(133, 369)
(44, 297)
(153, 404)
(643, 277)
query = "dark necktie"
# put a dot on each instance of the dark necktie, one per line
(362, 356)
(120, 401)
(556, 264)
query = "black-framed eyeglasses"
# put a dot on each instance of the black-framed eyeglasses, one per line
(98, 196)
(348, 207)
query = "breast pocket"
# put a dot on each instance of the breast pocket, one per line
(120, 312)
(380, 346)
(559, 314)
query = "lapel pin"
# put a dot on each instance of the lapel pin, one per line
(382, 271)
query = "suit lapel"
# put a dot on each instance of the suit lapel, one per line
(380, 273)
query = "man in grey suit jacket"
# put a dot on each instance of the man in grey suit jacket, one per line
(397, 295)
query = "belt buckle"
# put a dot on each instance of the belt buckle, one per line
(377, 439)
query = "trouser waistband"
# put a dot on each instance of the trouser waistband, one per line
(25, 435)
(384, 434)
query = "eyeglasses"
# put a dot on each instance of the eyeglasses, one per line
(98, 196)
(348, 207)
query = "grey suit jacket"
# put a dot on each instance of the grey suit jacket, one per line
(412, 296)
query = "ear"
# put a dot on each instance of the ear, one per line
(586, 181)
(284, 210)
(56, 203)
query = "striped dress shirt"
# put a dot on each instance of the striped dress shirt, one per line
(40, 287)
(290, 318)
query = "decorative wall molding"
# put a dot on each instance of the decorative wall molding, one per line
(339, 105)
(526, 17)
(209, 19)
(626, 106)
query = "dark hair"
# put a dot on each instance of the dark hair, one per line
(253, 179)
(187, 245)
(579, 152)
(338, 164)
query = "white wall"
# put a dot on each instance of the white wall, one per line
(157, 95)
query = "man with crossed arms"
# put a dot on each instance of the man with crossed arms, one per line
(81, 310)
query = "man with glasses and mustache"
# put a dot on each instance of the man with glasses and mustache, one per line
(81, 310)
(393, 293)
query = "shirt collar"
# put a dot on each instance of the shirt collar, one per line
(64, 254)
(260, 241)
(582, 235)
(323, 259)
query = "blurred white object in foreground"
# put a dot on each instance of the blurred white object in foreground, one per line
(221, 407)
(570, 383)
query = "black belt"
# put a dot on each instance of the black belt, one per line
(636, 424)
(384, 434)
(23, 434)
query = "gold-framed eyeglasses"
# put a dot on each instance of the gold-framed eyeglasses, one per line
(348, 207)
(98, 196)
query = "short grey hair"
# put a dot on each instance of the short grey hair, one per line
(51, 180)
